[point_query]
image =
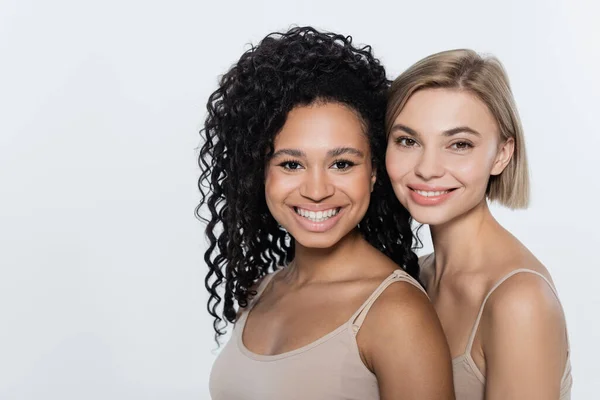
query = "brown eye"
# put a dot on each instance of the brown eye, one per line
(406, 141)
(342, 164)
(290, 165)
(462, 145)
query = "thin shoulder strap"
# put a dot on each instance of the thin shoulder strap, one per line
(424, 264)
(397, 276)
(261, 288)
(500, 282)
(427, 258)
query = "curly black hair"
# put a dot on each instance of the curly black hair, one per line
(286, 70)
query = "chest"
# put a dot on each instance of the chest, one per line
(283, 322)
(328, 372)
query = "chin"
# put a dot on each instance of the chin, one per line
(316, 242)
(429, 216)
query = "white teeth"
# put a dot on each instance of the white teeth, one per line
(318, 216)
(431, 194)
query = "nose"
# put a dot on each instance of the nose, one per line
(429, 165)
(317, 186)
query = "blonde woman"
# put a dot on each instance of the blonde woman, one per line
(455, 142)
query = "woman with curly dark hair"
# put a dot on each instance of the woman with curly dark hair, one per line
(305, 234)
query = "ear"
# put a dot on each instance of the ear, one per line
(505, 153)
(373, 178)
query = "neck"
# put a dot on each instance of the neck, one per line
(318, 265)
(460, 244)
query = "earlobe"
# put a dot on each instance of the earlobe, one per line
(505, 153)
(373, 180)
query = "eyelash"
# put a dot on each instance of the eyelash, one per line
(468, 145)
(402, 142)
(349, 164)
(286, 164)
(402, 139)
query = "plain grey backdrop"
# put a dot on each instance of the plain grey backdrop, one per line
(101, 271)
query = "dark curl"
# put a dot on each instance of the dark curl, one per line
(299, 67)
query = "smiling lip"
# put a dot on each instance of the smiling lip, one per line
(317, 218)
(429, 195)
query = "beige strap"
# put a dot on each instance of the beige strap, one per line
(261, 288)
(500, 282)
(397, 276)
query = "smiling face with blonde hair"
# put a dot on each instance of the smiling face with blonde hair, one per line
(443, 148)
(454, 137)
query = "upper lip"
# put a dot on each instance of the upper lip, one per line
(316, 207)
(429, 188)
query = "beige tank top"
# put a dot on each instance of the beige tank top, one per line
(327, 369)
(469, 382)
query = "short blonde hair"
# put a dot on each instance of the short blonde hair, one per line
(486, 78)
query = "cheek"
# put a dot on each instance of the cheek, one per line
(397, 164)
(358, 182)
(473, 169)
(277, 185)
(356, 186)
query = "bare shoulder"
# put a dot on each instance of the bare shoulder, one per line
(258, 286)
(528, 287)
(525, 297)
(263, 281)
(524, 339)
(524, 318)
(402, 317)
(401, 299)
(402, 335)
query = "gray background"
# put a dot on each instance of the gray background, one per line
(101, 272)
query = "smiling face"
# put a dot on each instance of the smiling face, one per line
(318, 182)
(442, 149)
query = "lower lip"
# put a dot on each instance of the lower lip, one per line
(429, 201)
(318, 227)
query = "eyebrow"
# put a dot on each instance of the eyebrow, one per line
(461, 129)
(449, 132)
(405, 129)
(338, 151)
(289, 152)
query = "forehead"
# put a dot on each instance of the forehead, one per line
(322, 125)
(435, 110)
